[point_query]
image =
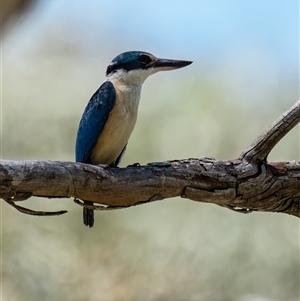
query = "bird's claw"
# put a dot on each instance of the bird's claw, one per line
(134, 165)
(96, 207)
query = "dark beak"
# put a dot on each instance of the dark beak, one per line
(164, 64)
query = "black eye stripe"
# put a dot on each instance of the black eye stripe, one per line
(111, 68)
(138, 61)
(145, 59)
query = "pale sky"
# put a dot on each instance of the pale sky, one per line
(207, 30)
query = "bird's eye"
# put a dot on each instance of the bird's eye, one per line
(145, 59)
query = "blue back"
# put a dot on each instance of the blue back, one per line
(93, 120)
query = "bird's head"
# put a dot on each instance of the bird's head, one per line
(133, 67)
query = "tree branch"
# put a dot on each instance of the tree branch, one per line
(262, 146)
(246, 184)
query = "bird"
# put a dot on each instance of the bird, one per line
(110, 115)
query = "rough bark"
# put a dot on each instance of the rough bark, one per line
(246, 184)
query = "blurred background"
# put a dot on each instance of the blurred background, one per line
(245, 74)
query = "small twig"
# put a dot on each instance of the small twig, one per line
(33, 212)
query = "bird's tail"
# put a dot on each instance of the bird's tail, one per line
(88, 216)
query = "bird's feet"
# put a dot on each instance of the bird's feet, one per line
(134, 165)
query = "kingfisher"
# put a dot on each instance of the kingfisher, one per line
(110, 116)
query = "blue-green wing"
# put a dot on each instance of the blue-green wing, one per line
(93, 120)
